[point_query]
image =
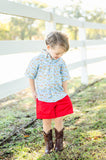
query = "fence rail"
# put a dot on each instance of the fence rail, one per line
(21, 10)
(36, 45)
(51, 19)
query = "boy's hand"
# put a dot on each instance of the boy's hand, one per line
(34, 94)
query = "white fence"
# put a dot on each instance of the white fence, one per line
(50, 18)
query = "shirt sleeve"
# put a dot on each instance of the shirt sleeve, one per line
(32, 69)
(64, 72)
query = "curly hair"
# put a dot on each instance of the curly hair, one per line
(57, 38)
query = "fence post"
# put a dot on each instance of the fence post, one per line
(50, 26)
(82, 37)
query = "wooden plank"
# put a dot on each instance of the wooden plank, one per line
(16, 9)
(94, 60)
(83, 53)
(75, 65)
(95, 42)
(94, 25)
(88, 61)
(36, 45)
(76, 43)
(27, 46)
(12, 47)
(67, 21)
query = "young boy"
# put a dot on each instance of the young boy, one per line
(51, 75)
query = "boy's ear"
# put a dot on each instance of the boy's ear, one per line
(48, 47)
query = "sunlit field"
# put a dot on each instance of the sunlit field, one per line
(84, 135)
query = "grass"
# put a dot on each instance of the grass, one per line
(84, 134)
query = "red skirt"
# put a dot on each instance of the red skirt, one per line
(49, 110)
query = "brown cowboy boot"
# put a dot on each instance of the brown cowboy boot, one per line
(48, 141)
(58, 140)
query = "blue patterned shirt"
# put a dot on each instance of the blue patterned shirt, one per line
(48, 74)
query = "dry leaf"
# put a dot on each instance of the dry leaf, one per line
(97, 137)
(88, 138)
(26, 135)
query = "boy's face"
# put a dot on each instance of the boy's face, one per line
(55, 52)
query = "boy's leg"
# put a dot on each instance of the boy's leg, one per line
(59, 123)
(47, 125)
(47, 132)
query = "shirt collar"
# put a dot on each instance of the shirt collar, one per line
(46, 53)
(47, 56)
